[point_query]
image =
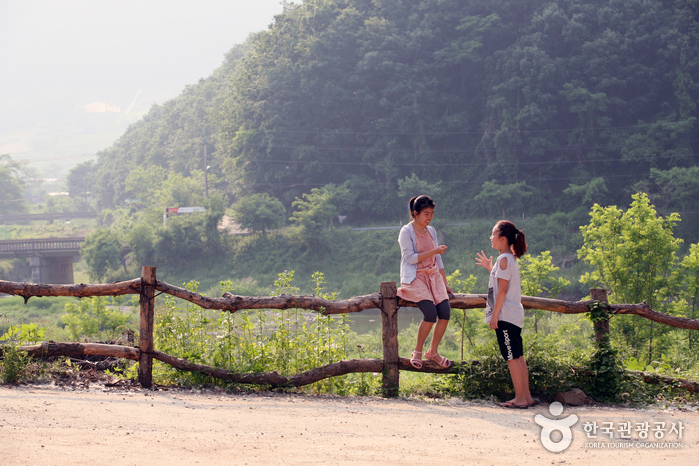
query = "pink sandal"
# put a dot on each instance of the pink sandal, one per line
(441, 361)
(415, 361)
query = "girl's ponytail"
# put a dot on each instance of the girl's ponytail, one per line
(515, 238)
(520, 246)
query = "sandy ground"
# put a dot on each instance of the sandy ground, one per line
(47, 425)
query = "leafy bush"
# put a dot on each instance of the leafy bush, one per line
(15, 361)
(488, 375)
(91, 318)
(288, 341)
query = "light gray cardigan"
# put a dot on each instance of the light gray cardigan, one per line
(408, 251)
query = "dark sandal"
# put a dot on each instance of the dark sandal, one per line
(513, 405)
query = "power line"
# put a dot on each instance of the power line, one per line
(456, 133)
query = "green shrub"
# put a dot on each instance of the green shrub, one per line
(15, 361)
(91, 318)
(288, 341)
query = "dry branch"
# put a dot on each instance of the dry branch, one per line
(274, 379)
(52, 349)
(429, 366)
(28, 290)
(655, 379)
(643, 310)
(233, 303)
(265, 378)
(335, 369)
(478, 301)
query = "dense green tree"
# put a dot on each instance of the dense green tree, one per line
(316, 211)
(496, 198)
(537, 278)
(102, 253)
(11, 186)
(259, 213)
(633, 254)
(581, 97)
(80, 183)
(688, 276)
(140, 240)
(59, 203)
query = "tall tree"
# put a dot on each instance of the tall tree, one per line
(11, 186)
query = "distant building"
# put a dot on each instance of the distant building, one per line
(101, 107)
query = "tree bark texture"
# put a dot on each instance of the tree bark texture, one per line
(145, 335)
(601, 327)
(233, 303)
(28, 290)
(52, 349)
(274, 379)
(389, 325)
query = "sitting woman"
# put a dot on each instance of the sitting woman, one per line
(423, 280)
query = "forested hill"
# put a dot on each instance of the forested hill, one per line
(530, 105)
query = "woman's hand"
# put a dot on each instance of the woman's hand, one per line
(493, 324)
(440, 249)
(484, 261)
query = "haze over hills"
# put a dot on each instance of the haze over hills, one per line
(121, 57)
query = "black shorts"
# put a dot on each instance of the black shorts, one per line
(432, 312)
(509, 340)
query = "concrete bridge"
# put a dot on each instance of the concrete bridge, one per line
(51, 259)
(11, 218)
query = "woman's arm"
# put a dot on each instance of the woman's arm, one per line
(444, 277)
(408, 250)
(499, 301)
(426, 255)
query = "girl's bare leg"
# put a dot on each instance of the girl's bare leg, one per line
(422, 332)
(439, 330)
(520, 379)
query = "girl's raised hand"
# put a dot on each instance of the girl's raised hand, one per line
(484, 261)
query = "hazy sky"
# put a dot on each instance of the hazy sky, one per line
(59, 53)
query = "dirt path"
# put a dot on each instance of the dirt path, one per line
(42, 425)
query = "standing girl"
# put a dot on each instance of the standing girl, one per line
(423, 280)
(504, 311)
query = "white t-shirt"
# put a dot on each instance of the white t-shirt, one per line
(512, 310)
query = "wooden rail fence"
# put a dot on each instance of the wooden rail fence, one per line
(386, 300)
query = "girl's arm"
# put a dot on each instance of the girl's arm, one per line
(444, 277)
(499, 301)
(408, 250)
(427, 254)
(483, 261)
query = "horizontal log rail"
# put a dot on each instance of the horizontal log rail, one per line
(233, 303)
(274, 379)
(386, 300)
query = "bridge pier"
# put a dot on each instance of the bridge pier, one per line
(51, 259)
(57, 270)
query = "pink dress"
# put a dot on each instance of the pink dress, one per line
(428, 284)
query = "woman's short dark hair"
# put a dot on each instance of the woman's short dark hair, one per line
(420, 202)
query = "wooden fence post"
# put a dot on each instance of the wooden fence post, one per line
(389, 326)
(601, 327)
(145, 335)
